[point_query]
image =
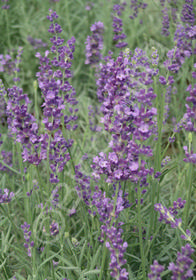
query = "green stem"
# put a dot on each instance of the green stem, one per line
(40, 184)
(140, 232)
(189, 176)
(187, 237)
(10, 168)
(165, 150)
(7, 27)
(48, 163)
(103, 262)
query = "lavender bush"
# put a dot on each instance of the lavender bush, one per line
(97, 140)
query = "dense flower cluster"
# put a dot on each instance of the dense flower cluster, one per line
(118, 26)
(181, 270)
(58, 97)
(183, 37)
(156, 270)
(126, 95)
(188, 15)
(24, 128)
(36, 43)
(168, 215)
(94, 44)
(27, 234)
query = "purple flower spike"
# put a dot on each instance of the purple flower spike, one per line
(58, 97)
(135, 6)
(187, 236)
(168, 215)
(54, 228)
(27, 234)
(156, 270)
(181, 270)
(119, 36)
(165, 23)
(6, 196)
(94, 44)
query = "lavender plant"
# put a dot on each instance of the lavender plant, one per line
(114, 198)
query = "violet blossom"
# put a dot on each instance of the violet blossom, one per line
(5, 6)
(156, 270)
(27, 234)
(165, 23)
(36, 43)
(5, 195)
(182, 269)
(183, 37)
(169, 215)
(94, 44)
(188, 122)
(58, 96)
(135, 6)
(120, 89)
(117, 25)
(23, 126)
(10, 64)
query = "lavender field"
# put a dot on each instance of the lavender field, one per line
(97, 140)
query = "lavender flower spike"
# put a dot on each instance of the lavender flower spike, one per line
(94, 44)
(156, 270)
(168, 215)
(181, 270)
(27, 234)
(6, 196)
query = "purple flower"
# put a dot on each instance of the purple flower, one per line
(186, 236)
(156, 270)
(9, 63)
(27, 234)
(183, 48)
(135, 6)
(58, 96)
(93, 112)
(5, 7)
(117, 25)
(54, 228)
(188, 15)
(23, 126)
(165, 23)
(120, 89)
(71, 212)
(165, 161)
(36, 43)
(168, 215)
(94, 44)
(6, 196)
(181, 270)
